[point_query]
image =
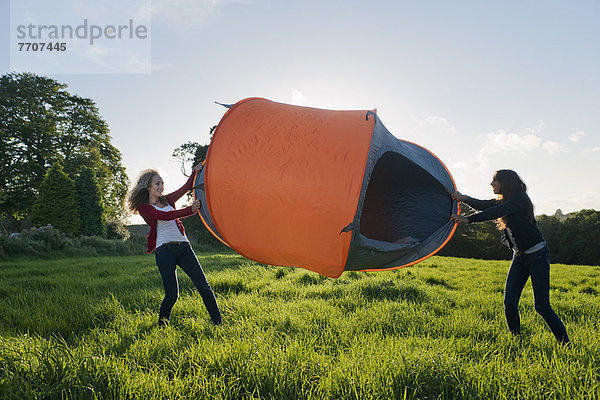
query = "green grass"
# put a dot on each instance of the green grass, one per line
(85, 328)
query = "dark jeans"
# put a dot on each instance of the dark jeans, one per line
(168, 256)
(536, 265)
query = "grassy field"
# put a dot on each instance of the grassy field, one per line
(86, 328)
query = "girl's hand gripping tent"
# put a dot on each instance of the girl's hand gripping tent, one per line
(328, 191)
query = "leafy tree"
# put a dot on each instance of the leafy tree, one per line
(57, 203)
(41, 124)
(192, 153)
(480, 240)
(587, 223)
(574, 239)
(90, 204)
(186, 153)
(552, 229)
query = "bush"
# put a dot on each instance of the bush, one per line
(51, 237)
(116, 229)
(39, 243)
(105, 247)
(48, 242)
(16, 246)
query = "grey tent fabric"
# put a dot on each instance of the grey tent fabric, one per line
(200, 194)
(403, 209)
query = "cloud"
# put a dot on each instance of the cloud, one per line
(497, 147)
(438, 122)
(298, 98)
(553, 147)
(576, 136)
(536, 129)
(593, 150)
(502, 142)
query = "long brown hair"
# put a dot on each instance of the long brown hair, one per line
(510, 184)
(139, 194)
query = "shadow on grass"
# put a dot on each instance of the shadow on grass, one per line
(435, 281)
(388, 290)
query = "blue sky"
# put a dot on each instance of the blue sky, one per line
(483, 85)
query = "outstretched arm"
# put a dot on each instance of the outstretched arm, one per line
(519, 202)
(150, 213)
(176, 195)
(475, 203)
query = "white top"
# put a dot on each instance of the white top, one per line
(167, 231)
(535, 248)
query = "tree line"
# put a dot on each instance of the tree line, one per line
(57, 163)
(572, 238)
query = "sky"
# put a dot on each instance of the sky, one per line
(483, 85)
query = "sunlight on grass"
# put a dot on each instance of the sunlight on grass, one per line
(86, 328)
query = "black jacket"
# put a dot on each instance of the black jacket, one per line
(521, 233)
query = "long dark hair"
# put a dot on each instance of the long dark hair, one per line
(510, 184)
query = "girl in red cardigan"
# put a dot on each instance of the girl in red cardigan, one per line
(168, 237)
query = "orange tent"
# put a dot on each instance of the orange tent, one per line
(324, 190)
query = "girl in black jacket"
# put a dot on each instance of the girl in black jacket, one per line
(531, 257)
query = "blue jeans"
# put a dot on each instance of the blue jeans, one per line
(168, 256)
(536, 265)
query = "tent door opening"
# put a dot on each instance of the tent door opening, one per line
(403, 204)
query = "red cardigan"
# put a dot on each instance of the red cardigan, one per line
(151, 215)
